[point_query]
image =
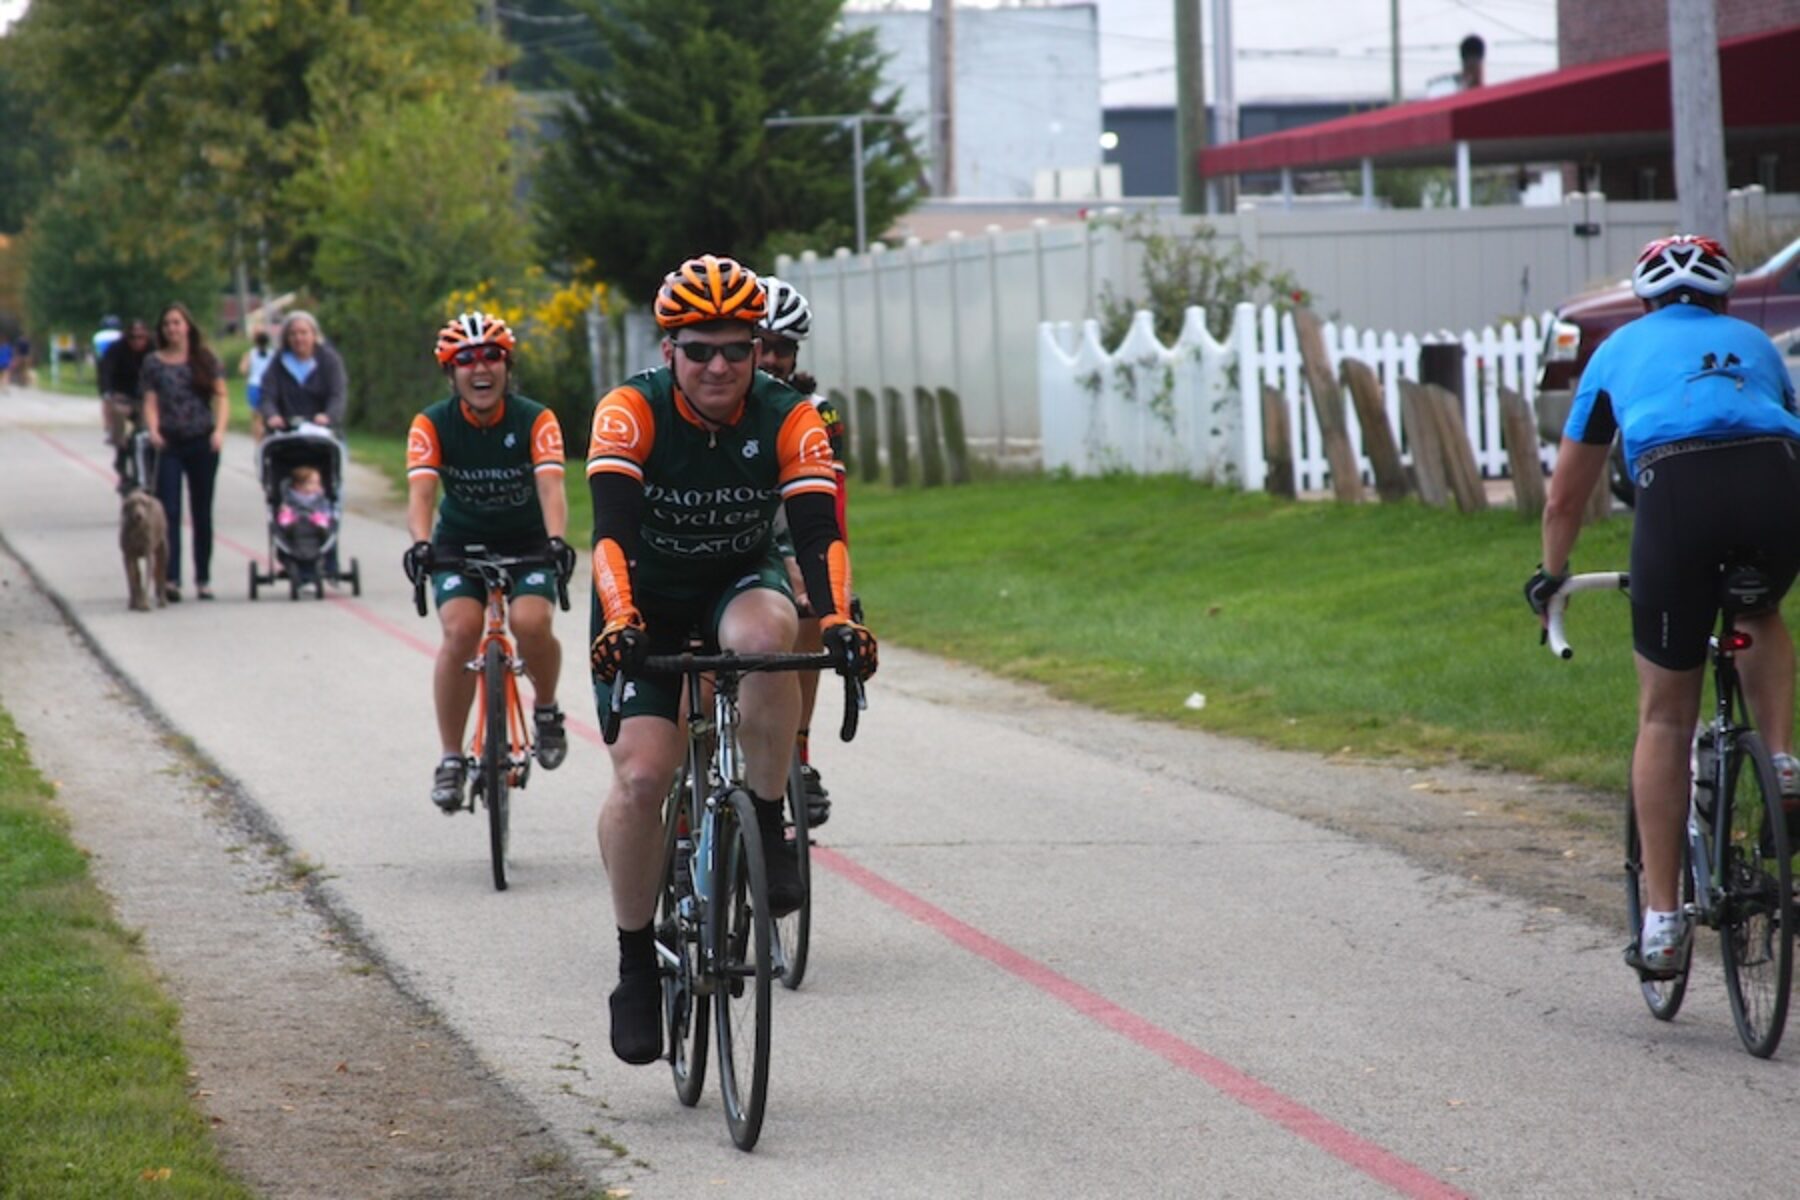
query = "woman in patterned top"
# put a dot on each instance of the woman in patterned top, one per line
(185, 412)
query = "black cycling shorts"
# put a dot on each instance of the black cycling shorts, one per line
(1696, 510)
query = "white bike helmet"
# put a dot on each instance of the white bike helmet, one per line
(1684, 260)
(789, 316)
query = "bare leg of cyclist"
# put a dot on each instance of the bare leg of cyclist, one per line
(452, 683)
(761, 621)
(631, 843)
(1668, 706)
(530, 617)
(1767, 668)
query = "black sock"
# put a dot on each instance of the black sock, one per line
(637, 950)
(768, 815)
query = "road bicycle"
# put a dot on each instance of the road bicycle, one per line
(502, 749)
(716, 943)
(1736, 870)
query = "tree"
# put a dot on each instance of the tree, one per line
(216, 104)
(34, 156)
(664, 154)
(412, 204)
(84, 258)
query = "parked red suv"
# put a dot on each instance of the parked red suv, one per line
(1768, 296)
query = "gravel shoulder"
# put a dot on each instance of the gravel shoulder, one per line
(323, 1077)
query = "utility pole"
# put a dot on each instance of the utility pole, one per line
(943, 97)
(1699, 117)
(1225, 95)
(1394, 43)
(1190, 105)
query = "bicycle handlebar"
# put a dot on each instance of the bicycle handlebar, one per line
(855, 697)
(1593, 581)
(476, 561)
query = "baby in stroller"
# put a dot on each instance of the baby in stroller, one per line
(302, 475)
(304, 519)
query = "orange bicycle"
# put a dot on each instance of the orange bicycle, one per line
(501, 751)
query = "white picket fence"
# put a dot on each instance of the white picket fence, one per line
(1195, 408)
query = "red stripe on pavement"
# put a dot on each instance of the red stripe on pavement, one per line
(1252, 1093)
(1347, 1147)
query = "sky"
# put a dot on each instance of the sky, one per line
(1327, 49)
(9, 11)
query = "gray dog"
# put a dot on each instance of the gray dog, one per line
(144, 539)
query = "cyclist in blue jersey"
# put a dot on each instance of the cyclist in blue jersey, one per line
(1707, 413)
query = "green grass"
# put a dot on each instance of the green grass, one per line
(93, 1083)
(1380, 630)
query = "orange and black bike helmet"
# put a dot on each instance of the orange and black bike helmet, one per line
(473, 329)
(710, 288)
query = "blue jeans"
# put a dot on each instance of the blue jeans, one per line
(199, 462)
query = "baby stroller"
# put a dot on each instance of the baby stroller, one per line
(303, 547)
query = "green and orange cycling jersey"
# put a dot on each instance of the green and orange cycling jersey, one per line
(488, 467)
(683, 506)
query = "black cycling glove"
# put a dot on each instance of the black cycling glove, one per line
(1541, 587)
(563, 555)
(417, 561)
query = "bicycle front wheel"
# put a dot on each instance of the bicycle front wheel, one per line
(741, 932)
(685, 1008)
(793, 933)
(496, 758)
(1756, 933)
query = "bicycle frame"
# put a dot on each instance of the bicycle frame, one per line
(518, 731)
(1730, 721)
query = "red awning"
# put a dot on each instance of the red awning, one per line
(1556, 115)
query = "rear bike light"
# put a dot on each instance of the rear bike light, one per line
(1739, 640)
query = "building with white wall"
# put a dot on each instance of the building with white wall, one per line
(1027, 90)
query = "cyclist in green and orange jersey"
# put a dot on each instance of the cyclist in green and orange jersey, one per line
(687, 465)
(499, 457)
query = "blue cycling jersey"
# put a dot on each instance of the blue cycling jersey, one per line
(1683, 373)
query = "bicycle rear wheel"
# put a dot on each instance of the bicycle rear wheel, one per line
(794, 931)
(685, 1010)
(1663, 996)
(1756, 934)
(741, 932)
(496, 759)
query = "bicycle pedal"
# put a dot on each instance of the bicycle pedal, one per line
(1645, 974)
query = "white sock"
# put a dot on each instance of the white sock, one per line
(1655, 921)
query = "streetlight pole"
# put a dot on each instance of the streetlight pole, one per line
(855, 121)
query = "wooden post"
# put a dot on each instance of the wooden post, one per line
(1421, 426)
(1520, 434)
(1379, 442)
(1459, 456)
(1328, 403)
(868, 436)
(956, 438)
(899, 456)
(931, 450)
(1278, 444)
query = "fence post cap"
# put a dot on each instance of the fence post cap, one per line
(807, 256)
(841, 252)
(878, 247)
(955, 235)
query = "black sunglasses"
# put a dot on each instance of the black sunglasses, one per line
(702, 352)
(780, 347)
(468, 355)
